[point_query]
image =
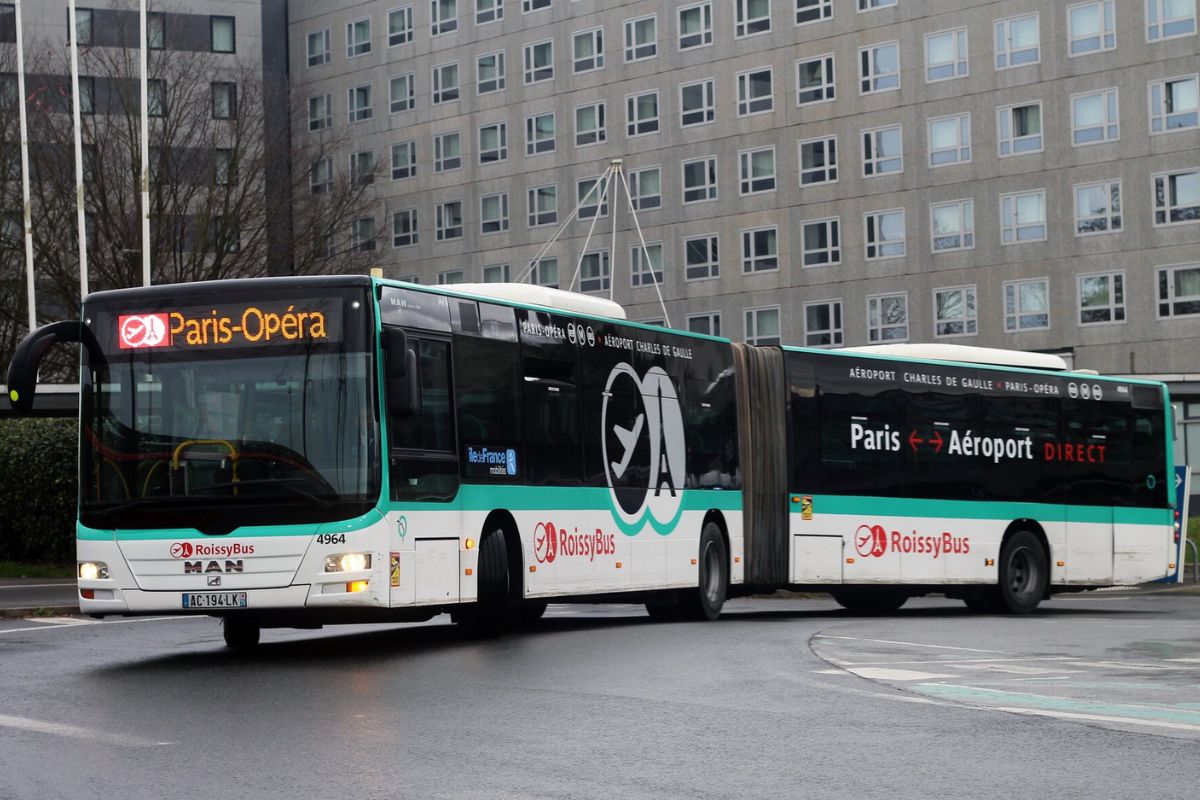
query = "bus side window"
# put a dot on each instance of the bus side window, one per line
(1148, 456)
(1095, 452)
(486, 381)
(861, 430)
(553, 443)
(423, 461)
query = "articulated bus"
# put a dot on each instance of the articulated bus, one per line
(315, 450)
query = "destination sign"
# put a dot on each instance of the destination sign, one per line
(302, 320)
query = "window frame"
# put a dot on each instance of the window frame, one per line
(1155, 18)
(1115, 308)
(410, 102)
(1006, 52)
(213, 20)
(322, 58)
(743, 26)
(443, 162)
(1156, 95)
(869, 77)
(836, 332)
(535, 147)
(356, 48)
(1112, 124)
(960, 118)
(746, 105)
(640, 201)
(966, 219)
(879, 298)
(356, 113)
(1170, 299)
(828, 256)
(823, 9)
(875, 250)
(600, 132)
(708, 188)
(751, 258)
(747, 182)
(632, 50)
(405, 34)
(753, 313)
(1018, 312)
(445, 232)
(970, 315)
(871, 163)
(596, 59)
(411, 146)
(706, 30)
(639, 276)
(1107, 15)
(1015, 198)
(707, 111)
(499, 82)
(1113, 220)
(711, 266)
(1005, 116)
(503, 222)
(532, 73)
(830, 167)
(411, 215)
(960, 64)
(1167, 210)
(828, 87)
(535, 217)
(501, 149)
(440, 94)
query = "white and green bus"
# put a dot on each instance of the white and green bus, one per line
(308, 451)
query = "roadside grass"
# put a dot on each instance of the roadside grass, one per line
(16, 569)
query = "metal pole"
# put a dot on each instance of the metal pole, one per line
(145, 150)
(73, 31)
(27, 216)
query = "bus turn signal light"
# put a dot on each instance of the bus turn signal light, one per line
(356, 586)
(469, 544)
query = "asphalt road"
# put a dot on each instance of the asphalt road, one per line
(1096, 696)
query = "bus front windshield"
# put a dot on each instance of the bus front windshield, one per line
(214, 440)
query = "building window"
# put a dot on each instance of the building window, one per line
(1175, 104)
(646, 265)
(223, 38)
(493, 143)
(588, 50)
(400, 26)
(358, 38)
(156, 97)
(1018, 41)
(697, 103)
(762, 325)
(224, 100)
(1094, 118)
(700, 179)
(595, 272)
(589, 124)
(884, 234)
(954, 312)
(543, 206)
(757, 170)
(641, 38)
(449, 220)
(814, 80)
(1166, 19)
(883, 151)
(539, 134)
(879, 68)
(953, 225)
(1026, 305)
(320, 115)
(545, 273)
(752, 17)
(707, 323)
(495, 273)
(1101, 298)
(1019, 129)
(950, 140)
(701, 259)
(362, 235)
(445, 83)
(818, 161)
(404, 227)
(1179, 291)
(489, 11)
(1091, 28)
(872, 5)
(319, 48)
(808, 11)
(443, 16)
(83, 27)
(539, 62)
(887, 317)
(641, 113)
(645, 188)
(1177, 197)
(946, 55)
(362, 167)
(489, 73)
(404, 160)
(493, 213)
(592, 196)
(823, 323)
(320, 176)
(402, 93)
(534, 5)
(1097, 207)
(821, 242)
(760, 250)
(447, 151)
(450, 277)
(695, 26)
(754, 92)
(1023, 217)
(358, 103)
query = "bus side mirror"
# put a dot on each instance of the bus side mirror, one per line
(400, 374)
(23, 371)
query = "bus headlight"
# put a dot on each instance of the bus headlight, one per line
(348, 562)
(93, 571)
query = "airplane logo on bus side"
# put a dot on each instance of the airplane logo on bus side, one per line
(645, 457)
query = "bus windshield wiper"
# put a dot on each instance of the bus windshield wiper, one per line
(135, 503)
(284, 483)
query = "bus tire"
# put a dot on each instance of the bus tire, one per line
(859, 600)
(532, 611)
(240, 633)
(706, 600)
(486, 617)
(1023, 575)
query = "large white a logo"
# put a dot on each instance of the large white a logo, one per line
(645, 455)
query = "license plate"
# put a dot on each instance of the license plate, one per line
(214, 600)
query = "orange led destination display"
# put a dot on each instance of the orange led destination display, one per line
(315, 320)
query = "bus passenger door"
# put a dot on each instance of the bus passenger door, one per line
(1092, 452)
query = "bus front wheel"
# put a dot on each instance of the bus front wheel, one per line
(1023, 573)
(487, 616)
(240, 633)
(707, 599)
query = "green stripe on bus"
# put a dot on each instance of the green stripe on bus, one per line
(979, 509)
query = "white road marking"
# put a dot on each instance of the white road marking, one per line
(62, 620)
(75, 732)
(38, 586)
(1185, 660)
(882, 674)
(941, 662)
(53, 627)
(906, 644)
(1128, 665)
(1037, 712)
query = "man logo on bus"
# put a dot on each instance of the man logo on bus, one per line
(645, 457)
(870, 540)
(544, 546)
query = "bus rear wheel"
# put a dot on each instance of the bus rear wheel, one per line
(859, 600)
(1023, 573)
(240, 633)
(707, 599)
